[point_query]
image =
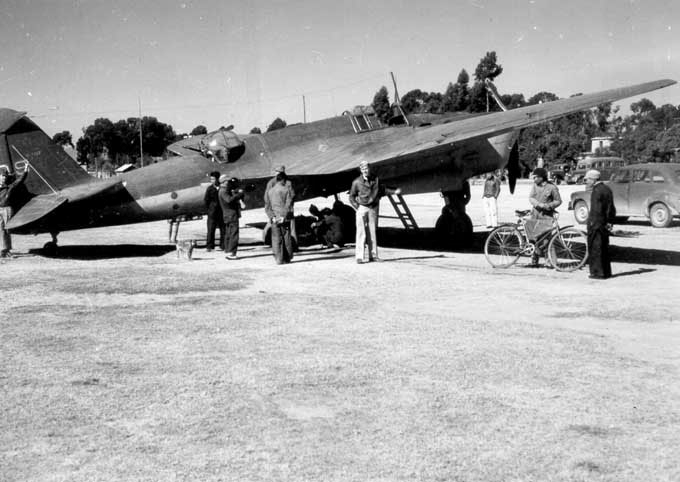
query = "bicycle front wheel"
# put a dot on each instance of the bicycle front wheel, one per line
(568, 249)
(503, 246)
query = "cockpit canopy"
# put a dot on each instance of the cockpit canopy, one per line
(222, 145)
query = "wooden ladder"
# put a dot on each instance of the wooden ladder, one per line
(403, 212)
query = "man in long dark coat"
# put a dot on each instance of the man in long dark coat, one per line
(600, 217)
(230, 195)
(214, 211)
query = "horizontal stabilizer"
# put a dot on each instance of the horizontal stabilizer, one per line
(41, 206)
(35, 209)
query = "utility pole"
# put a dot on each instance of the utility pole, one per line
(141, 149)
(304, 110)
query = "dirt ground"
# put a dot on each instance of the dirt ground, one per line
(121, 362)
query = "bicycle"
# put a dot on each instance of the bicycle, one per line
(567, 247)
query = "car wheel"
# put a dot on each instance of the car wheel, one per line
(660, 216)
(581, 212)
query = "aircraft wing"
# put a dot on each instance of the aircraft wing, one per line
(40, 206)
(501, 122)
(400, 146)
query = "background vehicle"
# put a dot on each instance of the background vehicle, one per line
(567, 248)
(606, 165)
(560, 173)
(651, 190)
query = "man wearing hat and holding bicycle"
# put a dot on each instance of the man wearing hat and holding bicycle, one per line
(544, 198)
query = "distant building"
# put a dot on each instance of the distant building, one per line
(125, 168)
(601, 143)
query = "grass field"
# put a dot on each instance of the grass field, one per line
(430, 366)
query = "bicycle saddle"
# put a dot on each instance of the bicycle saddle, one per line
(521, 214)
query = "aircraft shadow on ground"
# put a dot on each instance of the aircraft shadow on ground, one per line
(425, 239)
(622, 254)
(91, 252)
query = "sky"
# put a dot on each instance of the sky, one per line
(222, 62)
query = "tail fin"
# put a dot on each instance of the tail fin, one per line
(23, 142)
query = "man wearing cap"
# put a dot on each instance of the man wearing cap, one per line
(289, 186)
(230, 195)
(544, 198)
(364, 195)
(278, 206)
(215, 218)
(600, 218)
(7, 187)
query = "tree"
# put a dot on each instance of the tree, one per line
(255, 130)
(642, 135)
(63, 138)
(412, 100)
(199, 130)
(513, 101)
(156, 136)
(488, 68)
(457, 96)
(381, 104)
(121, 140)
(479, 101)
(542, 97)
(276, 124)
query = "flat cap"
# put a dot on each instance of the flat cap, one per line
(593, 174)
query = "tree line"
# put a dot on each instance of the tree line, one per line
(648, 133)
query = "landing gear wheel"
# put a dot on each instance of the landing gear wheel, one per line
(503, 246)
(568, 249)
(453, 231)
(50, 248)
(660, 216)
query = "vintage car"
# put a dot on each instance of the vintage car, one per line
(651, 190)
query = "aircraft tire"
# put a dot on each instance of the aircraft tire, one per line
(50, 248)
(453, 231)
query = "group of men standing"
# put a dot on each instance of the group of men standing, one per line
(545, 198)
(223, 199)
(224, 196)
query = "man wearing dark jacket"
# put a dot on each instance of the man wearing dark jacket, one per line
(230, 201)
(600, 217)
(364, 195)
(328, 227)
(7, 188)
(214, 210)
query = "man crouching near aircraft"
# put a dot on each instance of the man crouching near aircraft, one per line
(6, 189)
(364, 195)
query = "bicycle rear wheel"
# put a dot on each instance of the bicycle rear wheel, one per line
(503, 246)
(568, 249)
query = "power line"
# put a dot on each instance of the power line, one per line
(212, 104)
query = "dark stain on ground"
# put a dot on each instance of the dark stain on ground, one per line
(592, 430)
(153, 280)
(588, 466)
